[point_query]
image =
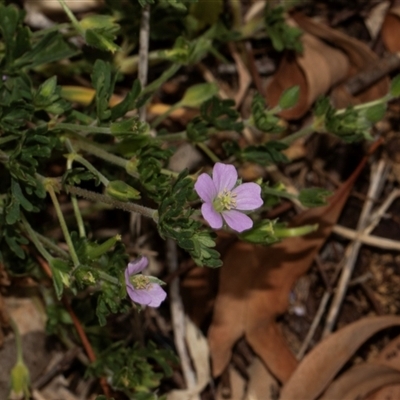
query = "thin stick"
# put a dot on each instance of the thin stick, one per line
(178, 317)
(377, 180)
(311, 332)
(144, 53)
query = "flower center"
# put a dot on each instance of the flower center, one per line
(226, 200)
(140, 282)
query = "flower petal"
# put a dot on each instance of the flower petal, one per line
(211, 216)
(224, 177)
(135, 267)
(205, 188)
(237, 221)
(152, 296)
(248, 196)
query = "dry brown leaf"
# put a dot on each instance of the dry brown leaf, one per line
(359, 55)
(390, 30)
(361, 380)
(391, 392)
(255, 283)
(320, 366)
(315, 72)
(390, 355)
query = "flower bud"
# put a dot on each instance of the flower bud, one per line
(122, 191)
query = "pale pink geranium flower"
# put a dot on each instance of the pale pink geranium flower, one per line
(225, 202)
(143, 289)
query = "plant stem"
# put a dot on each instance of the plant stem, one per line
(168, 73)
(52, 246)
(103, 154)
(171, 137)
(143, 66)
(113, 159)
(81, 128)
(63, 225)
(90, 167)
(35, 239)
(18, 341)
(126, 206)
(74, 201)
(299, 134)
(278, 193)
(71, 16)
(369, 104)
(8, 138)
(108, 278)
(164, 115)
(213, 157)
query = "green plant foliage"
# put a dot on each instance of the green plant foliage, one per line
(283, 36)
(70, 156)
(264, 120)
(132, 366)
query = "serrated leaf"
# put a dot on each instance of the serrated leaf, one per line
(52, 47)
(128, 103)
(103, 83)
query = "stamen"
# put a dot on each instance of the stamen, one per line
(225, 200)
(140, 282)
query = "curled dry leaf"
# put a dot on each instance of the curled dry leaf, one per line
(319, 367)
(390, 355)
(315, 72)
(361, 380)
(390, 392)
(359, 55)
(254, 287)
(390, 30)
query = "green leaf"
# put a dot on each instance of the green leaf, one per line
(289, 97)
(12, 211)
(17, 193)
(395, 86)
(281, 34)
(264, 120)
(264, 154)
(52, 47)
(129, 102)
(375, 113)
(58, 269)
(100, 32)
(314, 197)
(221, 114)
(196, 95)
(103, 82)
(206, 12)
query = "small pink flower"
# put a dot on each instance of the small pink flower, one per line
(224, 202)
(143, 289)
